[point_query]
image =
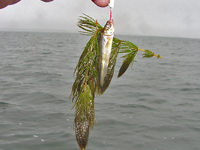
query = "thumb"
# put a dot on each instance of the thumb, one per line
(101, 3)
(46, 0)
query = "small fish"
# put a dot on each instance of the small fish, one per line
(105, 45)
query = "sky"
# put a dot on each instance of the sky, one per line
(168, 18)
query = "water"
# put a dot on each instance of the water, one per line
(155, 105)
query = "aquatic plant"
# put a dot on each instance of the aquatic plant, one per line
(86, 85)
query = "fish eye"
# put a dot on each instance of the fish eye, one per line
(107, 26)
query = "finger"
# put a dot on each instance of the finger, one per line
(46, 0)
(4, 3)
(101, 3)
(14, 1)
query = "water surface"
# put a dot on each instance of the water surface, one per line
(153, 106)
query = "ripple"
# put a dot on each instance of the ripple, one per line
(138, 106)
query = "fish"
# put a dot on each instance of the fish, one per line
(105, 41)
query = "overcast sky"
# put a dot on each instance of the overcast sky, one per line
(174, 18)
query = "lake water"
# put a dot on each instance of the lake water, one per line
(155, 105)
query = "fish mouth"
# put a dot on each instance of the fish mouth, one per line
(108, 29)
(110, 21)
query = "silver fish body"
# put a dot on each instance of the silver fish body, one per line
(105, 46)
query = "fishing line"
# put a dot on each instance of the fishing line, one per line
(111, 4)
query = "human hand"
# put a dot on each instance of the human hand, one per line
(4, 3)
(101, 3)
